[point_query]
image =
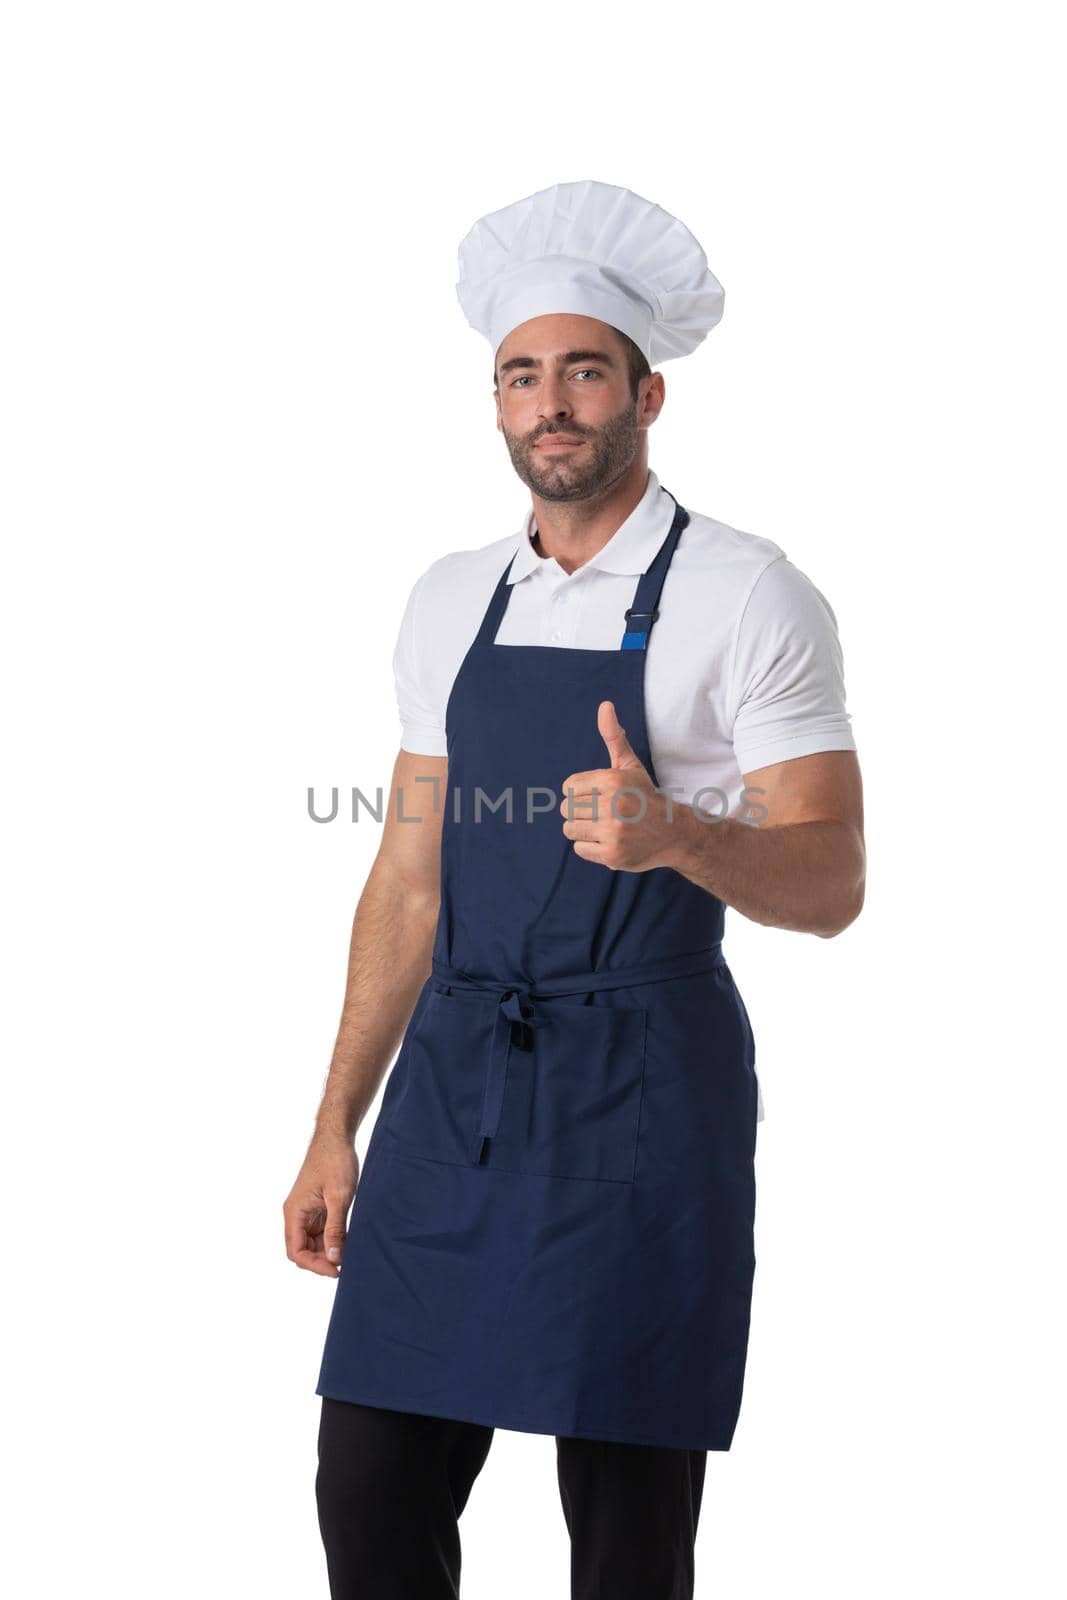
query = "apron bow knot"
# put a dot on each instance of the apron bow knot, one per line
(517, 1013)
(517, 1005)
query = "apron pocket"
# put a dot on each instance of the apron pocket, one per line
(569, 1091)
(573, 1104)
(440, 1076)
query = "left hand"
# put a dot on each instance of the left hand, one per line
(631, 831)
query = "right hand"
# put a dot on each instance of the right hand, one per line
(316, 1207)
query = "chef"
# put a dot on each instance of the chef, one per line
(616, 722)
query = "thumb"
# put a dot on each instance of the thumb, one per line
(614, 736)
(333, 1235)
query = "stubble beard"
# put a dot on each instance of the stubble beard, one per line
(600, 462)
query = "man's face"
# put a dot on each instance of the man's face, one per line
(565, 377)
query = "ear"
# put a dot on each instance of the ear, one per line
(652, 402)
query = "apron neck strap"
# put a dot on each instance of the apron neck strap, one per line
(643, 613)
(494, 611)
(640, 616)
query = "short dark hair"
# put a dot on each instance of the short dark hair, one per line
(636, 364)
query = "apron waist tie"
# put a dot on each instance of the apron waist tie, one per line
(516, 1010)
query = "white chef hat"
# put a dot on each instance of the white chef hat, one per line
(596, 250)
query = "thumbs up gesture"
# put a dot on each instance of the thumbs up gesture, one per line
(615, 815)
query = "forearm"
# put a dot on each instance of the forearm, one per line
(807, 876)
(389, 960)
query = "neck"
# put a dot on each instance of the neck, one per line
(574, 530)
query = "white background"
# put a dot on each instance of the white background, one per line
(241, 411)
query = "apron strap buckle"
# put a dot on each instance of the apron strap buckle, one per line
(637, 632)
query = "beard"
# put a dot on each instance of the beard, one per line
(606, 454)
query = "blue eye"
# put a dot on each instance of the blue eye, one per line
(528, 377)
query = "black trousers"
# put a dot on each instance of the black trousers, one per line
(391, 1485)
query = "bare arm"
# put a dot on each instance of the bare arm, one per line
(800, 863)
(388, 962)
(391, 944)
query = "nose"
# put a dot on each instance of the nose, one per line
(553, 402)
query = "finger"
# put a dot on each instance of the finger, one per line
(583, 783)
(315, 1261)
(303, 1223)
(304, 1240)
(590, 852)
(334, 1233)
(591, 806)
(614, 736)
(576, 828)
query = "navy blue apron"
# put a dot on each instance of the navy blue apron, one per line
(553, 1227)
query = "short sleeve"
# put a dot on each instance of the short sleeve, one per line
(787, 684)
(421, 720)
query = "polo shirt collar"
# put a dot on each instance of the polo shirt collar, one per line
(631, 548)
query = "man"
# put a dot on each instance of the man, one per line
(553, 1231)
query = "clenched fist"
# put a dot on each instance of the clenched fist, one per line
(615, 814)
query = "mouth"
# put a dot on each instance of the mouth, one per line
(557, 442)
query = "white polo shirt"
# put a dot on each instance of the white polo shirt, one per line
(743, 667)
